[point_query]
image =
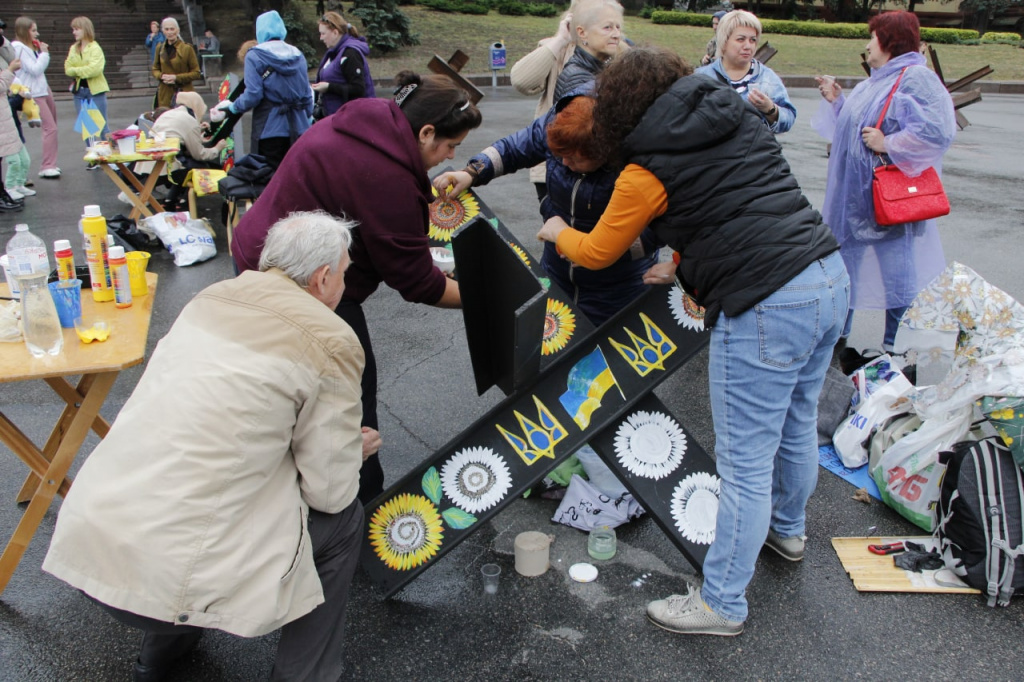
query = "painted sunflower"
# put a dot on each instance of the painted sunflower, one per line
(405, 531)
(686, 311)
(559, 326)
(518, 250)
(447, 215)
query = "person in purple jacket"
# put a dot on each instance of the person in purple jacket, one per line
(344, 74)
(387, 147)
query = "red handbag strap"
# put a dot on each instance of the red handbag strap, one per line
(881, 116)
(892, 92)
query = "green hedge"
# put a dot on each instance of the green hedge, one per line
(457, 6)
(816, 28)
(515, 8)
(1005, 38)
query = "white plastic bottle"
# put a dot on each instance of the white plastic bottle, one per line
(28, 262)
(26, 253)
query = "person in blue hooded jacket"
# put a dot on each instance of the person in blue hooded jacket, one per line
(276, 90)
(736, 38)
(343, 74)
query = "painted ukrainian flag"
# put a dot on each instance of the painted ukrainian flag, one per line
(588, 381)
(90, 121)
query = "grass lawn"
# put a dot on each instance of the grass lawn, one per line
(442, 34)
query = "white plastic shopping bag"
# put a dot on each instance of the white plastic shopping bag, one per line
(189, 241)
(909, 475)
(882, 391)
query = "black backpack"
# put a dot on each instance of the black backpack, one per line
(980, 530)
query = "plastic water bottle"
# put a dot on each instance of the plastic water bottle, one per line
(28, 262)
(26, 253)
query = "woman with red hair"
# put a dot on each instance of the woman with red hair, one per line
(579, 186)
(888, 266)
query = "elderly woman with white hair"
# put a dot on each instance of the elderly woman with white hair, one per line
(596, 27)
(737, 36)
(175, 65)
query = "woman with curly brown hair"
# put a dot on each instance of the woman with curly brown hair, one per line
(709, 177)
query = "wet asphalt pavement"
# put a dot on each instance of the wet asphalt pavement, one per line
(806, 620)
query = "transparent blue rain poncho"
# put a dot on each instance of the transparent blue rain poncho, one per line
(887, 265)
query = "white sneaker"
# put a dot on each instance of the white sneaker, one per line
(14, 193)
(25, 191)
(123, 198)
(50, 173)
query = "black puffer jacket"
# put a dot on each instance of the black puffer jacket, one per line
(578, 74)
(735, 212)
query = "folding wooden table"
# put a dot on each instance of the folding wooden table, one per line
(97, 364)
(139, 193)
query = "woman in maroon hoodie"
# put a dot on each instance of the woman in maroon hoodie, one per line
(369, 162)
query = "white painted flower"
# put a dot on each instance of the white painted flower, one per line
(475, 479)
(686, 311)
(650, 444)
(695, 507)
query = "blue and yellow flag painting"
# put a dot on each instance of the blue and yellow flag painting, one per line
(588, 381)
(90, 121)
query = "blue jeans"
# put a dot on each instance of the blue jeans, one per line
(100, 101)
(766, 369)
(892, 324)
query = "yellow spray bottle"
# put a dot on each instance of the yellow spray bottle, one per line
(94, 228)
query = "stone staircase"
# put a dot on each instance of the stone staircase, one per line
(120, 31)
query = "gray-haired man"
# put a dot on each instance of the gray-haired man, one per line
(224, 495)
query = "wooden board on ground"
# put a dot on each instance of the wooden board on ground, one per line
(877, 573)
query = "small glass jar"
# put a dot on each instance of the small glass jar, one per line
(601, 543)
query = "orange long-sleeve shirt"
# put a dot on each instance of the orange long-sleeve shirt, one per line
(638, 198)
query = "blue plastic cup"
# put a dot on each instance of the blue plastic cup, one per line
(67, 296)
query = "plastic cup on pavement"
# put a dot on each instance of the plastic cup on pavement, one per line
(491, 573)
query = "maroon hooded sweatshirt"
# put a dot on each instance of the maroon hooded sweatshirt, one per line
(363, 163)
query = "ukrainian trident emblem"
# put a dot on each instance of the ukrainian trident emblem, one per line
(540, 436)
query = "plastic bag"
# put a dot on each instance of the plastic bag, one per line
(189, 241)
(585, 507)
(10, 322)
(878, 373)
(882, 391)
(1006, 414)
(909, 475)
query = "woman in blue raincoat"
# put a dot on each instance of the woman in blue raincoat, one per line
(276, 89)
(888, 266)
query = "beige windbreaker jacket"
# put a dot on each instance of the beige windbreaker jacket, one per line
(193, 509)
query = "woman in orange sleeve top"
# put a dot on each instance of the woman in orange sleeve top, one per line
(709, 177)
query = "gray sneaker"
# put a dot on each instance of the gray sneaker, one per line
(791, 549)
(687, 614)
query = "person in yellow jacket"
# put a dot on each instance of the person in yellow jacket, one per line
(175, 65)
(85, 63)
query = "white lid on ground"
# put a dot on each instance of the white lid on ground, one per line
(583, 573)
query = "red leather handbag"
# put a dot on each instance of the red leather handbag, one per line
(900, 199)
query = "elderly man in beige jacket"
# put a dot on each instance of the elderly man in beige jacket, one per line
(224, 495)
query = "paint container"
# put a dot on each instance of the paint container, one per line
(601, 543)
(444, 260)
(532, 554)
(490, 574)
